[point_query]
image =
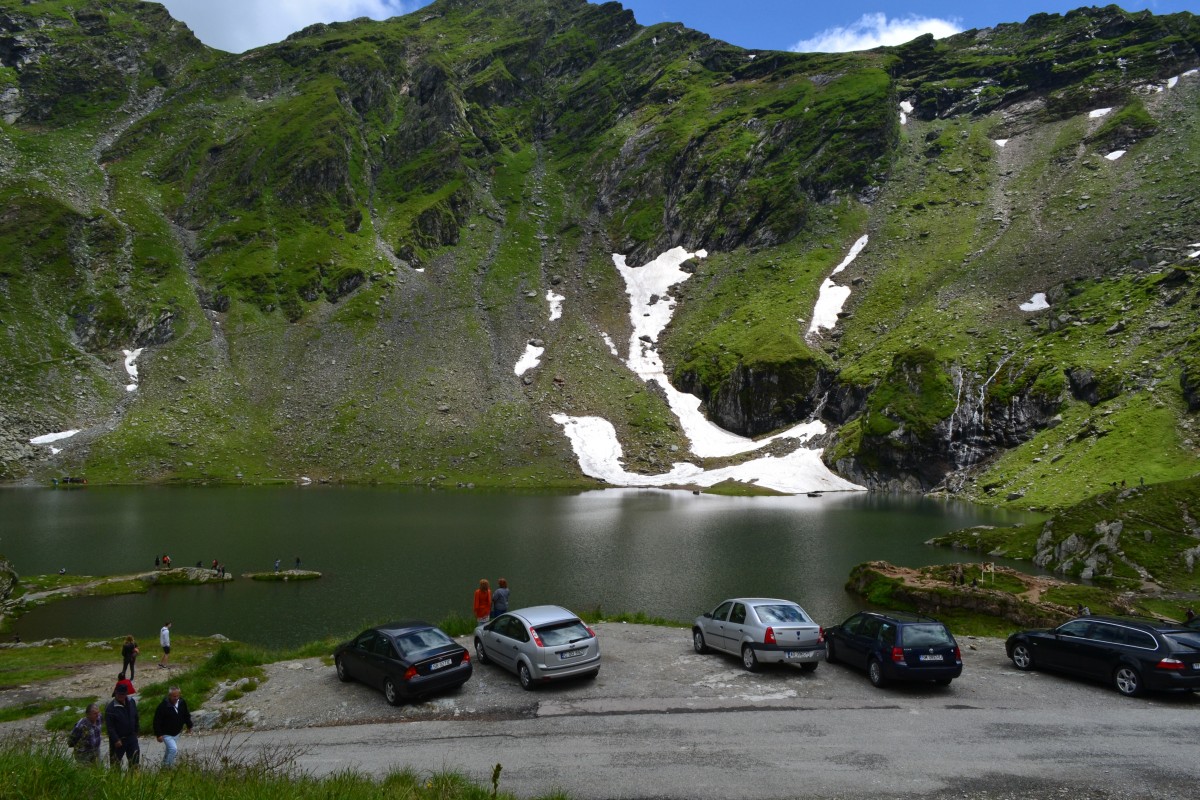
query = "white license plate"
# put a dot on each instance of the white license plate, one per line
(445, 662)
(930, 657)
(571, 653)
(790, 654)
(1196, 666)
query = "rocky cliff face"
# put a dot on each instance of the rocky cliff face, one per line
(334, 249)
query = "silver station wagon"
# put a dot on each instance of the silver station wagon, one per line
(761, 630)
(539, 644)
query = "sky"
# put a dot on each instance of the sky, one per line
(800, 25)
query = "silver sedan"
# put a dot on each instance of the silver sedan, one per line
(761, 630)
(539, 644)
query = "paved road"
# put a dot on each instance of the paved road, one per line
(663, 722)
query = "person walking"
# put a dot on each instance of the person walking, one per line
(121, 722)
(500, 598)
(123, 682)
(483, 601)
(129, 654)
(170, 718)
(277, 565)
(84, 738)
(164, 639)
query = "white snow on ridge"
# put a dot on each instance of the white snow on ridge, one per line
(1035, 303)
(1099, 112)
(1000, 142)
(833, 297)
(53, 437)
(595, 443)
(531, 358)
(1115, 154)
(555, 301)
(1172, 81)
(131, 357)
(612, 347)
(906, 108)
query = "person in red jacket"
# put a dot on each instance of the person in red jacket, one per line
(483, 601)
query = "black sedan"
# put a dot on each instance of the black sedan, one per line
(1132, 653)
(405, 660)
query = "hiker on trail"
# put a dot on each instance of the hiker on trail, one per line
(121, 721)
(84, 738)
(277, 565)
(129, 654)
(164, 639)
(170, 718)
(157, 562)
(166, 562)
(483, 601)
(500, 598)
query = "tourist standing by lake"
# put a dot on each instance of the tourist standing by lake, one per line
(500, 598)
(483, 601)
(164, 639)
(129, 654)
(84, 739)
(121, 721)
(170, 718)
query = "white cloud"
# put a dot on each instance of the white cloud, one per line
(237, 25)
(875, 30)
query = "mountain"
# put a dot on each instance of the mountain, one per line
(332, 251)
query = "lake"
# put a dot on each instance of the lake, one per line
(395, 553)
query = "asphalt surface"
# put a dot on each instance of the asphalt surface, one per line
(664, 722)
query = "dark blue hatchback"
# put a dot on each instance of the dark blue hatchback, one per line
(406, 660)
(895, 646)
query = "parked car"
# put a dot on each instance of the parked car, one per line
(541, 643)
(761, 630)
(1134, 653)
(895, 646)
(406, 660)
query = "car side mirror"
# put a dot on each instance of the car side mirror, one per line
(708, 615)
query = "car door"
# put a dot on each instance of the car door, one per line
(502, 640)
(358, 659)
(735, 628)
(1061, 648)
(861, 640)
(713, 626)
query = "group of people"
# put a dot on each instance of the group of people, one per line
(490, 604)
(121, 714)
(164, 562)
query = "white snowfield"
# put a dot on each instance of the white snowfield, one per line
(53, 437)
(1099, 112)
(833, 297)
(1000, 142)
(531, 358)
(594, 439)
(1035, 303)
(131, 357)
(1115, 154)
(555, 301)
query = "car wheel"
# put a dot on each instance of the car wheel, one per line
(1127, 681)
(943, 681)
(389, 692)
(343, 676)
(830, 655)
(875, 674)
(810, 666)
(749, 660)
(1021, 657)
(525, 677)
(480, 653)
(698, 642)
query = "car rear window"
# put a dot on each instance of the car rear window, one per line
(781, 614)
(926, 635)
(558, 633)
(417, 641)
(1182, 640)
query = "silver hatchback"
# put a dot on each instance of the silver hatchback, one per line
(761, 630)
(539, 644)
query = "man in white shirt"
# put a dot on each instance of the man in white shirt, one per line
(164, 638)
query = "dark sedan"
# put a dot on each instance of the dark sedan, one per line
(1132, 653)
(895, 646)
(405, 660)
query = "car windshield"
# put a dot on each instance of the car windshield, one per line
(559, 633)
(923, 635)
(780, 614)
(417, 641)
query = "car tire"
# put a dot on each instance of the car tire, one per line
(808, 666)
(390, 693)
(1021, 657)
(1128, 681)
(480, 653)
(698, 642)
(342, 674)
(943, 681)
(525, 677)
(749, 659)
(830, 655)
(875, 674)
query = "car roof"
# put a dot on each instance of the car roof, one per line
(1141, 622)
(540, 615)
(903, 617)
(757, 601)
(398, 628)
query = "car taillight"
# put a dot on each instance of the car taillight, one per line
(536, 639)
(1169, 663)
(820, 634)
(957, 653)
(467, 656)
(410, 673)
(898, 655)
(769, 638)
(589, 630)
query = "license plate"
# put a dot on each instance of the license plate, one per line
(571, 653)
(445, 662)
(791, 654)
(930, 657)
(1196, 666)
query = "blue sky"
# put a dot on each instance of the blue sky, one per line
(238, 25)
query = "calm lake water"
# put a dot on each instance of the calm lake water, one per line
(395, 553)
